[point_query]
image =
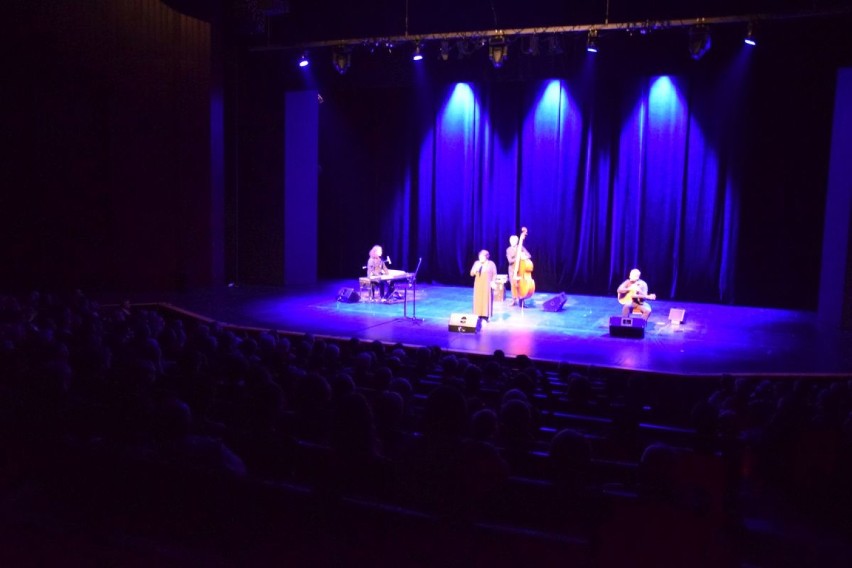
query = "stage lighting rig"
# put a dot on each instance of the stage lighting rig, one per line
(498, 51)
(592, 41)
(341, 58)
(699, 41)
(445, 50)
(529, 45)
(749, 38)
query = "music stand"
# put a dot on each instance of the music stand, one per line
(412, 283)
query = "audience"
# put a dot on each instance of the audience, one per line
(433, 430)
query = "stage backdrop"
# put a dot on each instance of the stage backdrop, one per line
(709, 181)
(604, 180)
(601, 185)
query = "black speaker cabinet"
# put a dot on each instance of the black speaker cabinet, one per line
(555, 303)
(348, 295)
(627, 327)
(464, 323)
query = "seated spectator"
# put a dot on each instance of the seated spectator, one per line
(483, 426)
(312, 408)
(656, 527)
(570, 462)
(175, 444)
(578, 394)
(443, 471)
(515, 432)
(389, 411)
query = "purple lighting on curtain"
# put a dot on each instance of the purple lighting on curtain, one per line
(666, 162)
(649, 183)
(460, 112)
(457, 177)
(604, 181)
(671, 214)
(467, 186)
(551, 156)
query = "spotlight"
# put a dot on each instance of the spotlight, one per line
(554, 45)
(529, 45)
(699, 41)
(418, 56)
(303, 60)
(749, 38)
(592, 41)
(341, 58)
(445, 50)
(465, 47)
(498, 51)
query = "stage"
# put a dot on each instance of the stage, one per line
(712, 338)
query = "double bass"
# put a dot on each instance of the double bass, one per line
(522, 281)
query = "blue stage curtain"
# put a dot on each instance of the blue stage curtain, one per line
(604, 181)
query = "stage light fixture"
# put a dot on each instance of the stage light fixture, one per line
(466, 47)
(699, 41)
(592, 41)
(554, 45)
(529, 45)
(445, 50)
(498, 51)
(418, 55)
(304, 61)
(749, 38)
(341, 58)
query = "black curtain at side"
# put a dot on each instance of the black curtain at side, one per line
(106, 124)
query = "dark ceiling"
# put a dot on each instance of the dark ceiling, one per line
(293, 22)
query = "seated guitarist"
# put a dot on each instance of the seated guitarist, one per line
(633, 293)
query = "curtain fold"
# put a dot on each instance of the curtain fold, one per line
(605, 179)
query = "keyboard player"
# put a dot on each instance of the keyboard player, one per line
(377, 273)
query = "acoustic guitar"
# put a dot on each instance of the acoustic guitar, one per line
(631, 294)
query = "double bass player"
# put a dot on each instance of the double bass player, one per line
(520, 269)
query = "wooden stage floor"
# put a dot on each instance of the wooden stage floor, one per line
(712, 339)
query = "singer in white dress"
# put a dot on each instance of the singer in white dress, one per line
(483, 271)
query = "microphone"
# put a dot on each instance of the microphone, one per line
(389, 260)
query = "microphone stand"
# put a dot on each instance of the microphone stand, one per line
(412, 283)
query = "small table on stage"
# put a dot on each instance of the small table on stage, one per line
(500, 291)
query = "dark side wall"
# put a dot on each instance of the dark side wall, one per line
(106, 129)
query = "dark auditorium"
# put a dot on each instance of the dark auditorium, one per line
(426, 283)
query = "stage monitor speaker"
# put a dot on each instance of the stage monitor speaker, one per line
(627, 327)
(555, 303)
(464, 323)
(348, 295)
(676, 315)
